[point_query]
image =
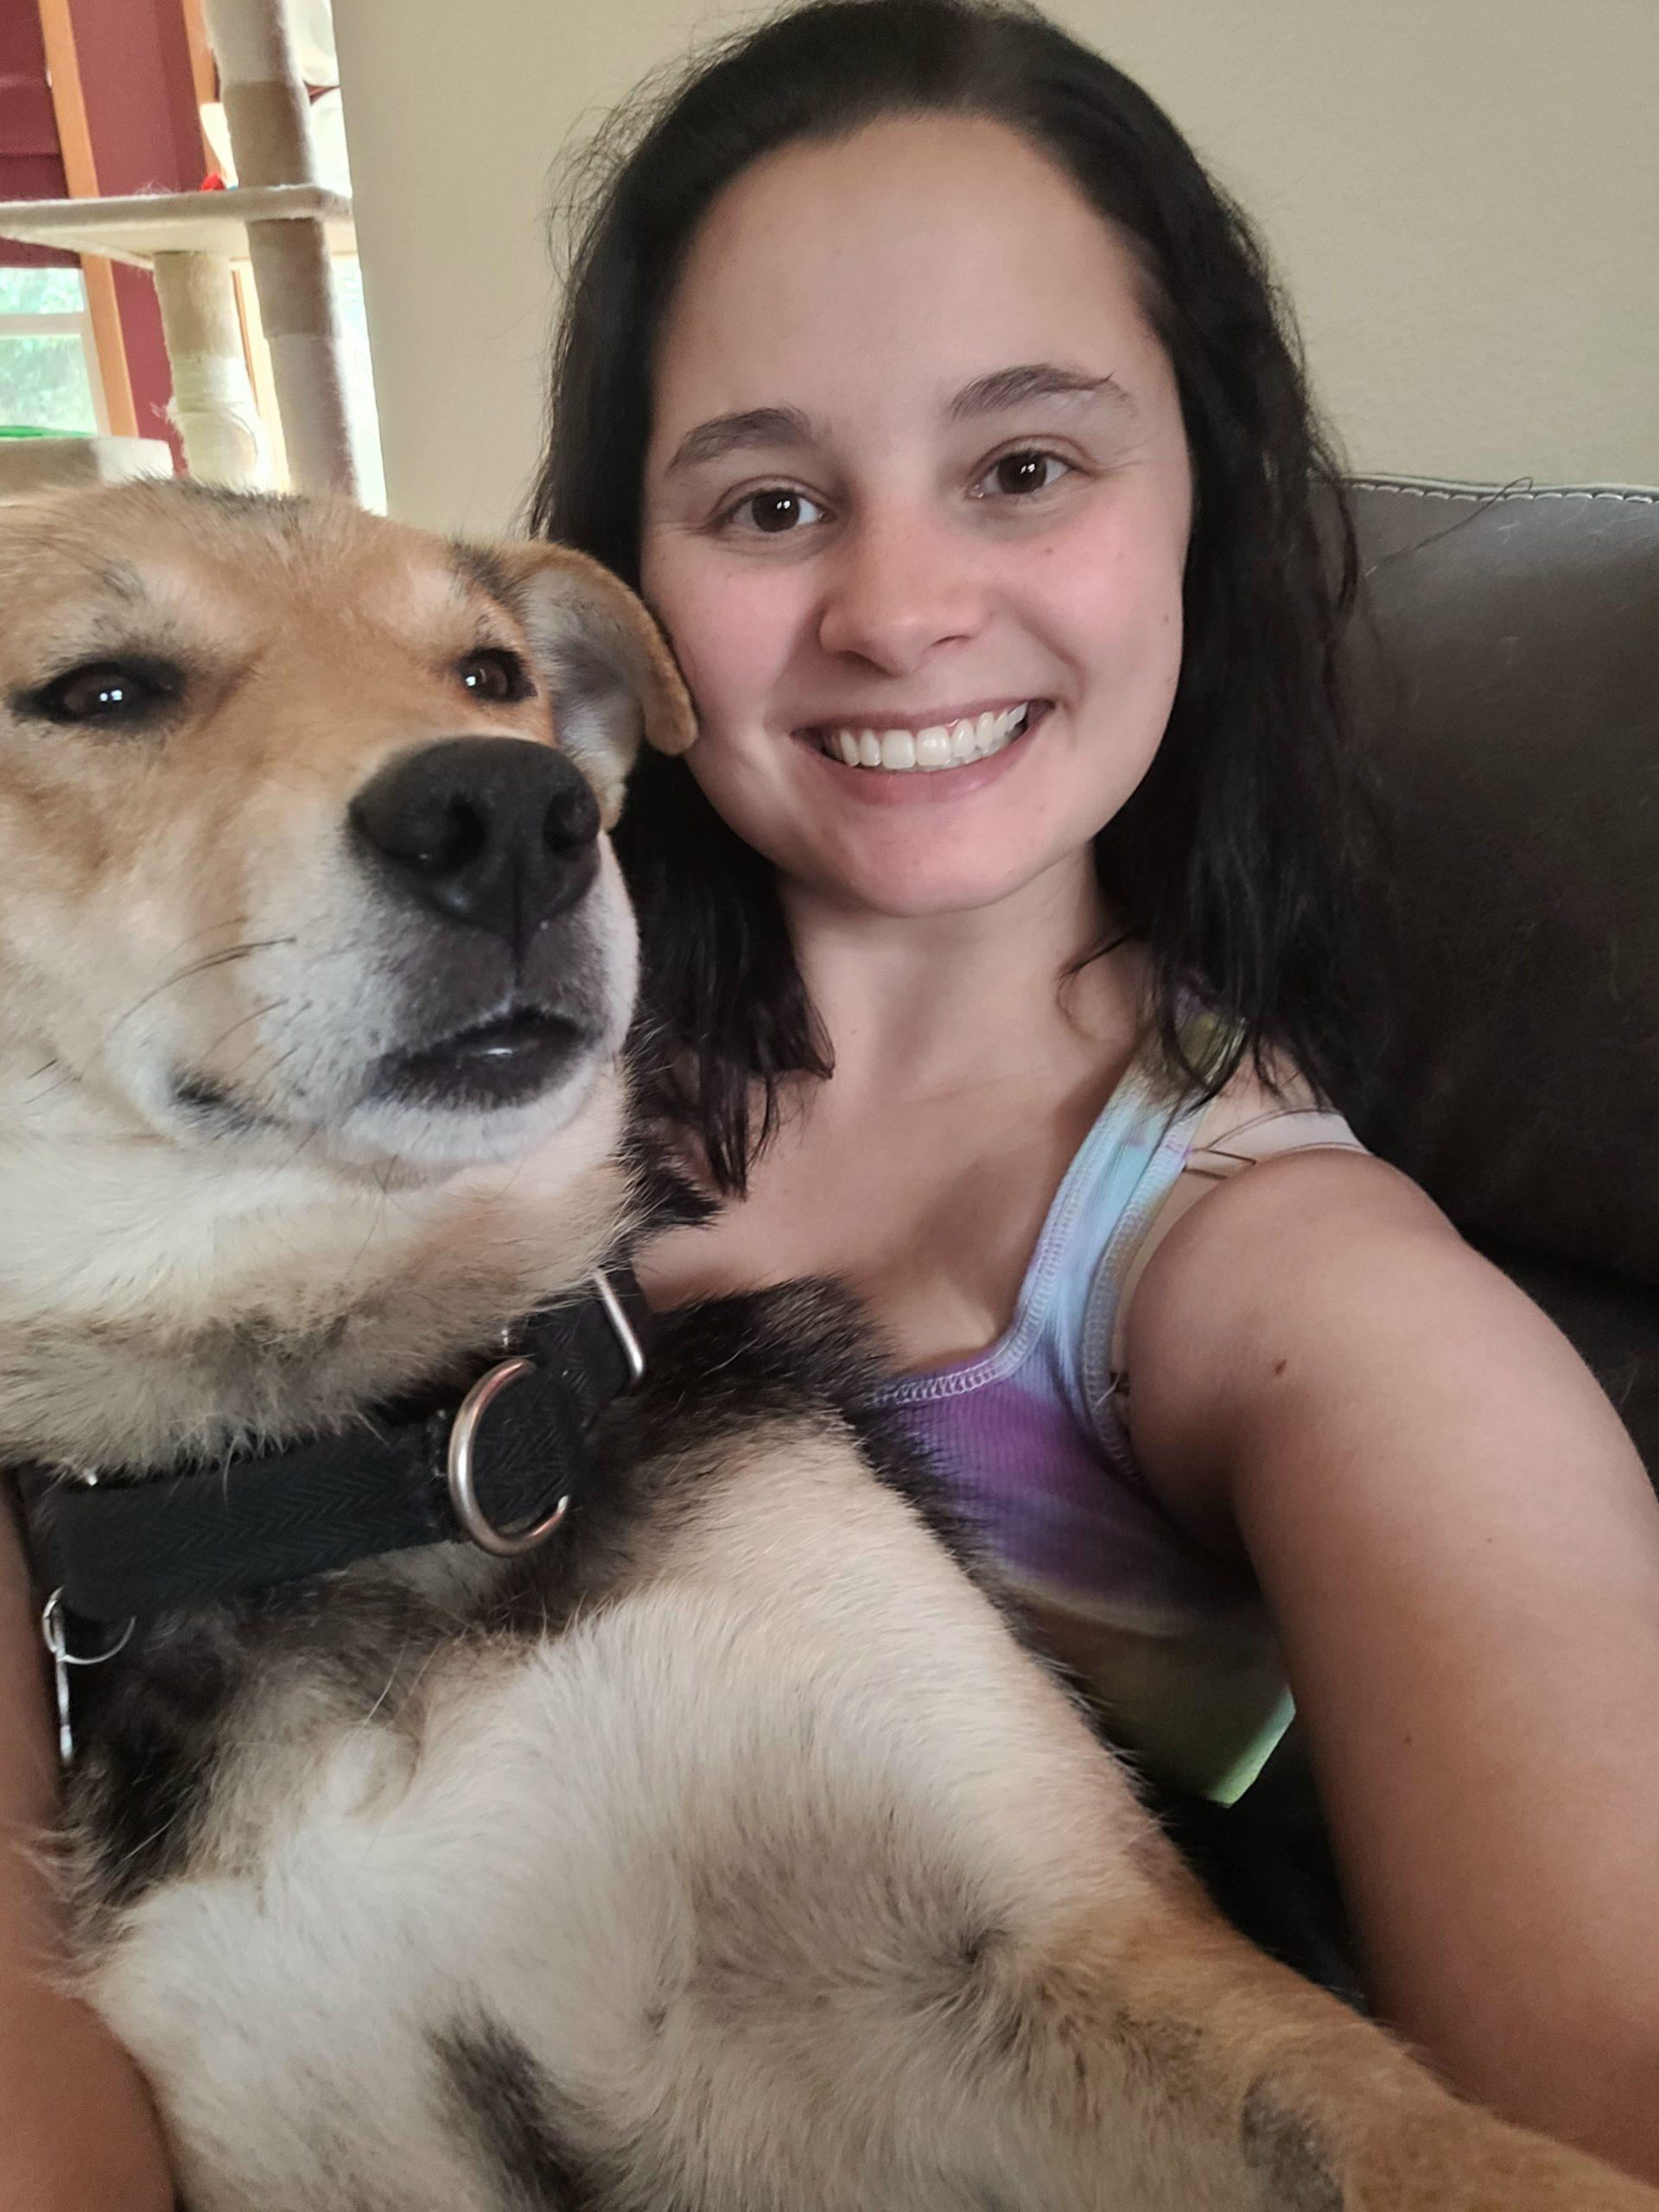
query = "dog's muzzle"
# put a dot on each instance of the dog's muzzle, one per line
(482, 853)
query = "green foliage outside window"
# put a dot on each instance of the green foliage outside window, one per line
(43, 380)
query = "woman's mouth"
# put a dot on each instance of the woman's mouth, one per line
(924, 752)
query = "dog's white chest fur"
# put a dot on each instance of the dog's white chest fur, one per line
(664, 1855)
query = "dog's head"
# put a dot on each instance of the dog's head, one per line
(302, 823)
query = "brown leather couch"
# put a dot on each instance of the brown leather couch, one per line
(1506, 669)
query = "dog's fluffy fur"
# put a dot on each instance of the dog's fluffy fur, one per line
(728, 1855)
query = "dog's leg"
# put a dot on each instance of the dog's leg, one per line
(1137, 2056)
(1223, 2081)
(929, 1911)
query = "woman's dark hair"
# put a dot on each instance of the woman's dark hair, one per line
(1232, 860)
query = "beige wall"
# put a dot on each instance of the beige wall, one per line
(1463, 196)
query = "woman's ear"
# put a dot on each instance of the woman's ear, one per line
(609, 674)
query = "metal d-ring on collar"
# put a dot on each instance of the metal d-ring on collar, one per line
(57, 1638)
(463, 1493)
(503, 1543)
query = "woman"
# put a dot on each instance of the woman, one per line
(939, 406)
(936, 400)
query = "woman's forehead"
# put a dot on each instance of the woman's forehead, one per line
(899, 261)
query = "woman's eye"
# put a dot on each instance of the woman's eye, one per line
(775, 512)
(106, 692)
(1018, 473)
(495, 674)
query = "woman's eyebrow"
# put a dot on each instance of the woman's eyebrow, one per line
(754, 426)
(775, 426)
(1018, 386)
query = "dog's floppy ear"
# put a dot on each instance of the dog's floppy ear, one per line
(609, 674)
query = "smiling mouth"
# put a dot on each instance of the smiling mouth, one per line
(926, 752)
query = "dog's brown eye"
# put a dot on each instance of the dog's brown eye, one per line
(495, 674)
(106, 691)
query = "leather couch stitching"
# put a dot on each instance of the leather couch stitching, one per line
(1486, 497)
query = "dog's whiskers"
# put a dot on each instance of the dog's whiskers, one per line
(222, 959)
(307, 1137)
(255, 1014)
(233, 923)
(53, 1075)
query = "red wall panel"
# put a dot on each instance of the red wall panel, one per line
(31, 167)
(141, 112)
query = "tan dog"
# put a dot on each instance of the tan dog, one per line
(727, 1851)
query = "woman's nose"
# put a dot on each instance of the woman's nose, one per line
(897, 586)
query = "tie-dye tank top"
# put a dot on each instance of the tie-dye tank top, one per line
(1174, 1646)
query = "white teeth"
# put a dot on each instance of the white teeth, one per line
(942, 745)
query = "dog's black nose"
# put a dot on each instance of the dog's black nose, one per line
(494, 831)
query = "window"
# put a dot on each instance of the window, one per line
(357, 373)
(47, 379)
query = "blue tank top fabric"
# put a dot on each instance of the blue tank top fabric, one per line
(1174, 1647)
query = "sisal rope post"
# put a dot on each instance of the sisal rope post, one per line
(212, 400)
(267, 112)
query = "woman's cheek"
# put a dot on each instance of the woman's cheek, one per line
(1129, 605)
(729, 644)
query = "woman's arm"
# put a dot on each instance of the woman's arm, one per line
(1460, 1549)
(77, 2132)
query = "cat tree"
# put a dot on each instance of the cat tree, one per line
(281, 219)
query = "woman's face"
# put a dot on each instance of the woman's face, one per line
(917, 491)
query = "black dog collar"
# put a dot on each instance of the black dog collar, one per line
(499, 1469)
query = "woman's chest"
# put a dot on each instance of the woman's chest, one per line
(930, 1217)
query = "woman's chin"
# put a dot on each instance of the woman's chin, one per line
(919, 886)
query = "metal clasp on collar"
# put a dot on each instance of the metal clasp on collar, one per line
(621, 1327)
(460, 1467)
(56, 1639)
